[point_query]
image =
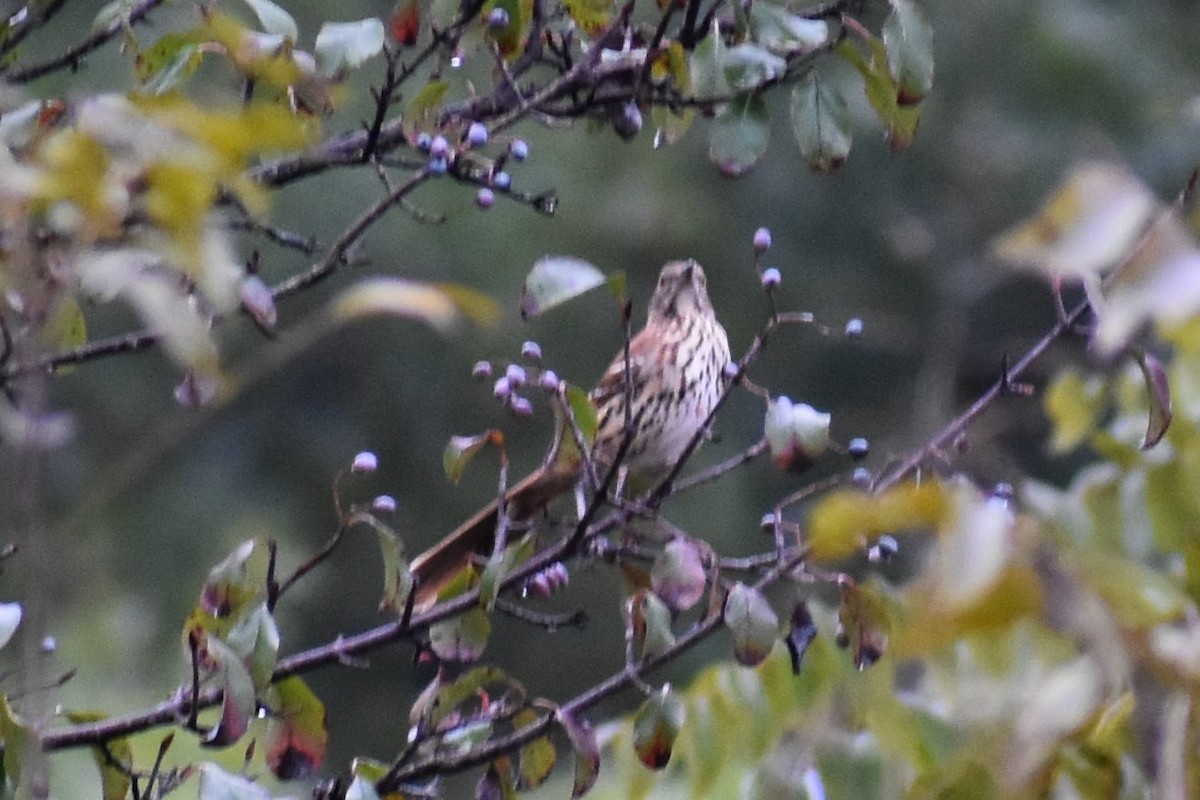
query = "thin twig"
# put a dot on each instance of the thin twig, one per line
(73, 55)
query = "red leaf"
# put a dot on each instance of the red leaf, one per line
(405, 22)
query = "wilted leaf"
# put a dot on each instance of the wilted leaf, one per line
(217, 784)
(234, 588)
(908, 39)
(655, 726)
(587, 751)
(343, 47)
(753, 624)
(738, 137)
(800, 635)
(114, 759)
(462, 638)
(863, 619)
(461, 449)
(821, 123)
(254, 636)
(678, 576)
(1139, 597)
(555, 280)
(535, 760)
(1061, 703)
(296, 733)
(15, 737)
(1158, 390)
(398, 297)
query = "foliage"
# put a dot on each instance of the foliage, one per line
(1042, 642)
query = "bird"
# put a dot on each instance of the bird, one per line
(676, 374)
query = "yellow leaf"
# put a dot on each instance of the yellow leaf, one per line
(845, 521)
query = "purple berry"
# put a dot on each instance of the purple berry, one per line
(501, 389)
(485, 197)
(519, 149)
(384, 504)
(502, 181)
(858, 448)
(516, 375)
(767, 523)
(477, 134)
(730, 370)
(854, 328)
(771, 278)
(548, 380)
(438, 166)
(762, 240)
(364, 463)
(424, 142)
(531, 351)
(482, 370)
(497, 18)
(861, 477)
(521, 406)
(439, 147)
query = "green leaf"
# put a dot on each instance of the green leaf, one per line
(420, 110)
(555, 280)
(781, 31)
(883, 93)
(238, 703)
(747, 67)
(908, 39)
(649, 621)
(10, 618)
(708, 70)
(655, 726)
(678, 576)
(587, 751)
(461, 638)
(173, 57)
(820, 123)
(447, 698)
(535, 760)
(343, 47)
(296, 733)
(497, 568)
(739, 136)
(115, 758)
(1073, 403)
(217, 784)
(397, 297)
(14, 736)
(508, 38)
(274, 19)
(753, 623)
(461, 449)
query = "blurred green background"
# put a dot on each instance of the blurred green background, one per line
(149, 495)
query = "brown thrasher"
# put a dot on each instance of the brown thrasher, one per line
(676, 367)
